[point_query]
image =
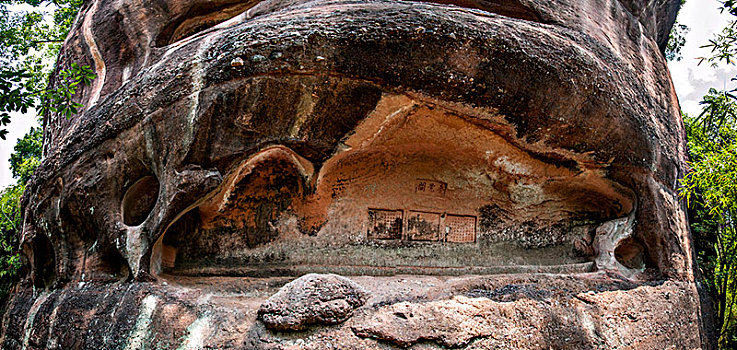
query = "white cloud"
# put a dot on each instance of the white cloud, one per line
(692, 81)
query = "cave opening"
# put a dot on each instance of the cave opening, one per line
(426, 193)
(139, 200)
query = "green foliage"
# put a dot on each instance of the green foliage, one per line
(10, 223)
(676, 41)
(715, 175)
(38, 32)
(713, 150)
(23, 162)
(715, 126)
(59, 99)
(29, 44)
(27, 155)
(14, 96)
(723, 46)
(710, 189)
(29, 41)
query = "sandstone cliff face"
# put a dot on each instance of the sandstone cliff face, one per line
(229, 146)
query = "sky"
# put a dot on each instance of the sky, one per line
(692, 81)
(19, 126)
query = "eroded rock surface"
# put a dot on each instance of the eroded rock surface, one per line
(312, 299)
(423, 312)
(230, 146)
(585, 320)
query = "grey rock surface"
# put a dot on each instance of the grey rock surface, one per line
(312, 299)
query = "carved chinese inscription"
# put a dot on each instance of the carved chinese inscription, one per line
(385, 224)
(421, 226)
(430, 187)
(460, 229)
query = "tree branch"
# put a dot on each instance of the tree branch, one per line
(46, 41)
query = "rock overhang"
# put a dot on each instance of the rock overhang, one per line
(520, 62)
(469, 85)
(474, 90)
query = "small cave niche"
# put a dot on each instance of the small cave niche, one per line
(43, 262)
(139, 200)
(237, 228)
(179, 247)
(630, 254)
(106, 265)
(200, 18)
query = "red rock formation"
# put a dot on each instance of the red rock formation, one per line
(228, 143)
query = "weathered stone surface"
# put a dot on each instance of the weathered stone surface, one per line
(229, 146)
(497, 312)
(587, 320)
(312, 299)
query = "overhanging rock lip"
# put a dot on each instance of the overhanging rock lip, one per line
(220, 70)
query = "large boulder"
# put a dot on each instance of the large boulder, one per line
(312, 299)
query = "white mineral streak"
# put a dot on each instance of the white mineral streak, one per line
(139, 335)
(198, 75)
(305, 109)
(51, 343)
(402, 112)
(111, 325)
(28, 328)
(389, 111)
(100, 68)
(134, 248)
(196, 333)
(23, 237)
(235, 20)
(511, 166)
(126, 75)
